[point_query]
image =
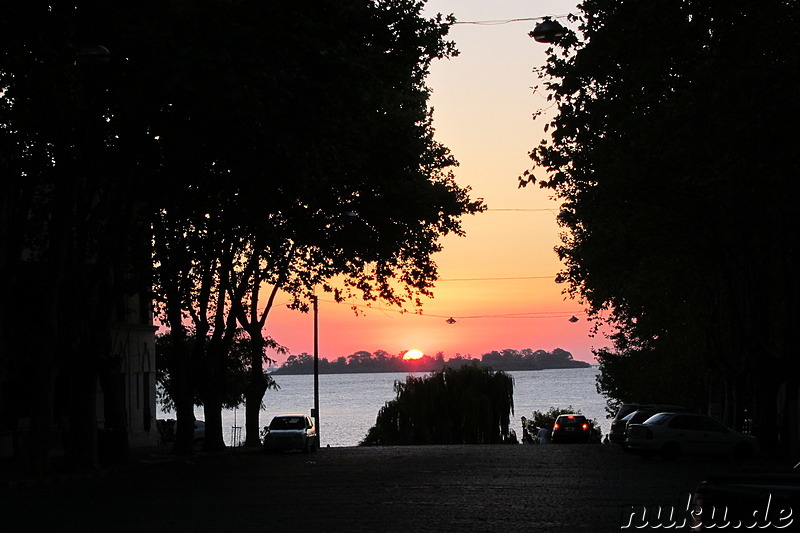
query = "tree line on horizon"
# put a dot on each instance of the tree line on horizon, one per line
(382, 361)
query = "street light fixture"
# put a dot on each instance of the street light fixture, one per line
(548, 31)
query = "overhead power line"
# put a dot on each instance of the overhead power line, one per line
(497, 279)
(510, 210)
(451, 319)
(507, 21)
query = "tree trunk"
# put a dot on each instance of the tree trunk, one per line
(214, 380)
(115, 446)
(765, 415)
(183, 385)
(255, 391)
(82, 441)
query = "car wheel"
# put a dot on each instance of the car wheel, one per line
(671, 451)
(742, 452)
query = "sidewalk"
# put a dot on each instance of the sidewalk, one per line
(15, 475)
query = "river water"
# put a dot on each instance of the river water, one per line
(349, 403)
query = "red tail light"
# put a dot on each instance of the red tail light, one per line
(556, 426)
(585, 427)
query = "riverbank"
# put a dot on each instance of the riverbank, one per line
(430, 488)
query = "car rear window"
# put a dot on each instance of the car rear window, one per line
(626, 409)
(569, 420)
(287, 422)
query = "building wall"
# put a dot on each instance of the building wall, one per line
(136, 345)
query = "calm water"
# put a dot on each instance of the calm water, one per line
(349, 403)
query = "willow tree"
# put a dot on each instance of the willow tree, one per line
(671, 152)
(468, 405)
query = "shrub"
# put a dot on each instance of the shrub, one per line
(468, 405)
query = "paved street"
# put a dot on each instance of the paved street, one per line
(434, 488)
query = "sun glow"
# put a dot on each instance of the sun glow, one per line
(412, 354)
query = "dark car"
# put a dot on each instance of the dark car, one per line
(199, 435)
(291, 432)
(636, 417)
(620, 422)
(748, 499)
(671, 434)
(571, 428)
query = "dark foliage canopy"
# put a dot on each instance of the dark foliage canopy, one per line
(672, 151)
(204, 148)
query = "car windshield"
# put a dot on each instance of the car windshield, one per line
(657, 419)
(287, 422)
(640, 416)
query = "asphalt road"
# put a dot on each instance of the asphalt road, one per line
(432, 488)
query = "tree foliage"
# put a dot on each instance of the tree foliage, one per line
(671, 154)
(361, 197)
(236, 376)
(256, 147)
(468, 405)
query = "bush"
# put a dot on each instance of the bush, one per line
(546, 419)
(468, 405)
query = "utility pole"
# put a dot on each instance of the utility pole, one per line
(315, 302)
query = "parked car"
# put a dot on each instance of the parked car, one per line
(571, 428)
(671, 434)
(636, 417)
(291, 432)
(752, 499)
(622, 418)
(166, 430)
(199, 435)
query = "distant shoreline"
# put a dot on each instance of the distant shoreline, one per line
(380, 362)
(281, 371)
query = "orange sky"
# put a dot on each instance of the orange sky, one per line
(483, 102)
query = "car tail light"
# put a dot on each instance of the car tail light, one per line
(585, 427)
(555, 427)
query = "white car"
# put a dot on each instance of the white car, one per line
(291, 432)
(671, 434)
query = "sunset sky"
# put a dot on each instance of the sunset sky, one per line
(497, 282)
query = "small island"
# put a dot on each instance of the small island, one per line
(382, 361)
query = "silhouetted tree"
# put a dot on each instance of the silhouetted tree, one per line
(677, 178)
(70, 213)
(236, 375)
(468, 405)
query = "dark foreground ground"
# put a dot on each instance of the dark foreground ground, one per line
(433, 488)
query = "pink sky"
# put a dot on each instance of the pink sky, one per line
(483, 103)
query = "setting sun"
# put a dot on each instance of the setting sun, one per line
(413, 354)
